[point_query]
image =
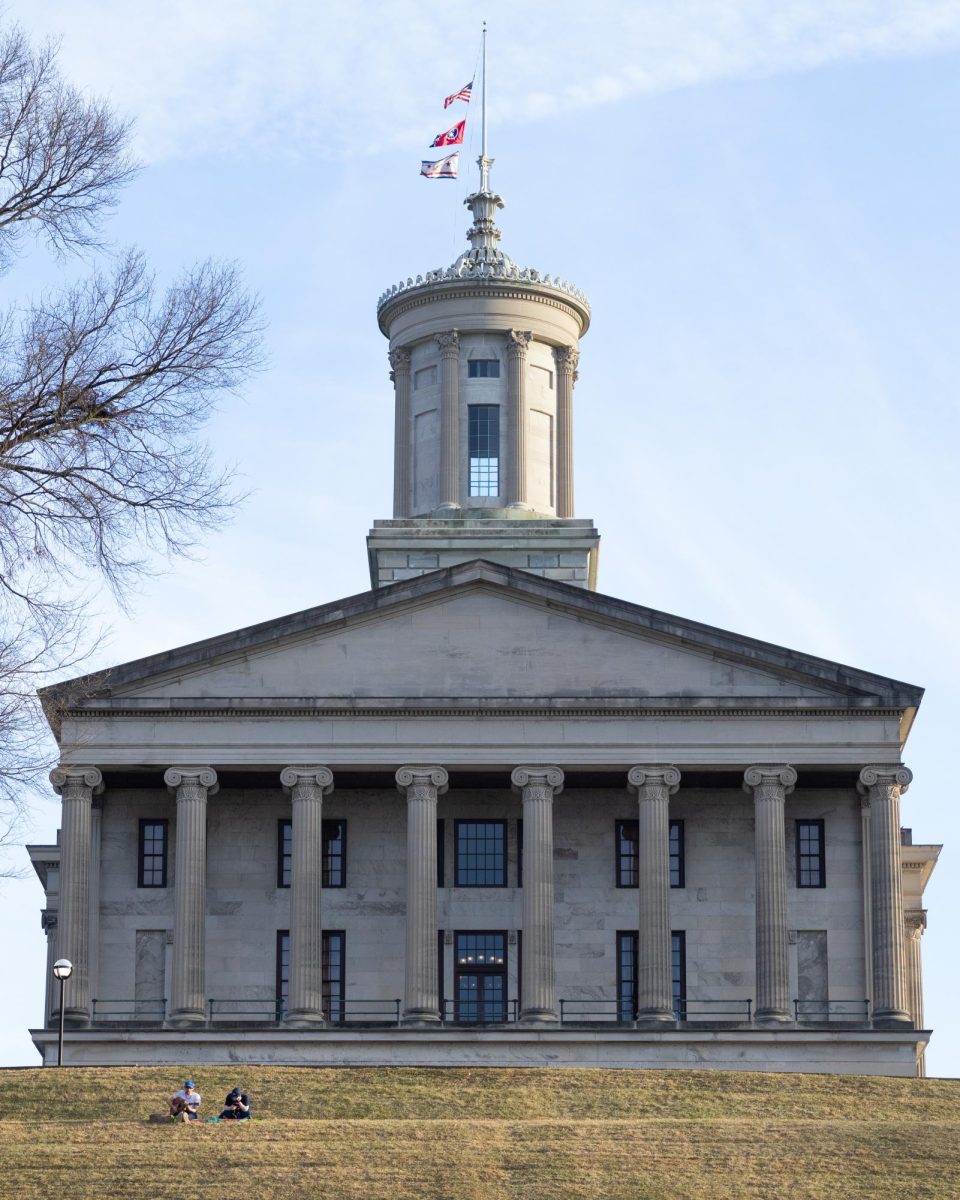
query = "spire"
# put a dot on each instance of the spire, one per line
(483, 233)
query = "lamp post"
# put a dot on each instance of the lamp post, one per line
(62, 969)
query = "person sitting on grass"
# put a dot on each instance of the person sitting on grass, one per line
(185, 1104)
(236, 1107)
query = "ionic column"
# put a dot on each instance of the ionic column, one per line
(882, 786)
(566, 358)
(421, 994)
(538, 786)
(654, 787)
(770, 786)
(914, 923)
(400, 376)
(449, 344)
(191, 786)
(517, 342)
(76, 786)
(306, 787)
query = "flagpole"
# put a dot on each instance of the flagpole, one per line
(484, 160)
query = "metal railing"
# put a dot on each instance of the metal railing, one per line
(831, 1010)
(479, 1012)
(617, 1012)
(153, 1011)
(272, 1010)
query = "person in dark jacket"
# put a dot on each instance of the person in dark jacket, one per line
(236, 1107)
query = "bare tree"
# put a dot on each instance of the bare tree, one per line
(103, 389)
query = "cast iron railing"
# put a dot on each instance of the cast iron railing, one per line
(127, 1010)
(617, 1012)
(273, 1010)
(479, 1012)
(831, 1010)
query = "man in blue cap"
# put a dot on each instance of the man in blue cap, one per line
(185, 1104)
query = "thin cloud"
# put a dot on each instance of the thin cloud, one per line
(342, 79)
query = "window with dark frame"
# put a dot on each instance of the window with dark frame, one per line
(334, 834)
(441, 963)
(627, 974)
(483, 368)
(626, 835)
(441, 863)
(483, 435)
(480, 977)
(480, 853)
(152, 866)
(334, 999)
(811, 855)
(520, 852)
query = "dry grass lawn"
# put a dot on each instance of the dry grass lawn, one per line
(416, 1134)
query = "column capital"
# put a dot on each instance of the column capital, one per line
(399, 358)
(320, 777)
(537, 776)
(915, 922)
(663, 775)
(449, 342)
(518, 340)
(76, 777)
(884, 775)
(420, 776)
(765, 775)
(567, 358)
(205, 777)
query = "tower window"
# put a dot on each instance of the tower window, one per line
(483, 429)
(483, 368)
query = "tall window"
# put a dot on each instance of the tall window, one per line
(627, 974)
(483, 431)
(481, 853)
(441, 864)
(152, 869)
(480, 978)
(334, 833)
(483, 368)
(334, 945)
(627, 872)
(811, 858)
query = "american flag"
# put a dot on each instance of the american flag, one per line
(463, 94)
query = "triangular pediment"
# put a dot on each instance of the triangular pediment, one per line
(488, 632)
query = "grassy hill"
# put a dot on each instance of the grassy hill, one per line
(417, 1134)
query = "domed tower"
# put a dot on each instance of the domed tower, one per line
(484, 360)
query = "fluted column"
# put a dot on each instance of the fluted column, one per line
(882, 785)
(400, 375)
(421, 993)
(191, 786)
(914, 923)
(566, 358)
(76, 786)
(306, 787)
(517, 343)
(770, 786)
(654, 787)
(449, 344)
(538, 786)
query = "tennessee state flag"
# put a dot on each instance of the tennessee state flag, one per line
(452, 137)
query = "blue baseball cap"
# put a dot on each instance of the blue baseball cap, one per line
(189, 1083)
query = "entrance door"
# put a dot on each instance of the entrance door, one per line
(480, 979)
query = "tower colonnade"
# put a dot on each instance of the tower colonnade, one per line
(537, 786)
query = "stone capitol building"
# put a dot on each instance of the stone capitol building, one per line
(482, 813)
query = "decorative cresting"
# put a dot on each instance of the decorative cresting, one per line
(400, 376)
(421, 994)
(538, 785)
(770, 785)
(449, 344)
(76, 786)
(517, 343)
(566, 359)
(882, 786)
(306, 787)
(191, 786)
(654, 786)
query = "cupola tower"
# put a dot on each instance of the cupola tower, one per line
(483, 358)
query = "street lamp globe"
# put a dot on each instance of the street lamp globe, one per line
(63, 968)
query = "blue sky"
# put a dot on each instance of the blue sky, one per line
(761, 203)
